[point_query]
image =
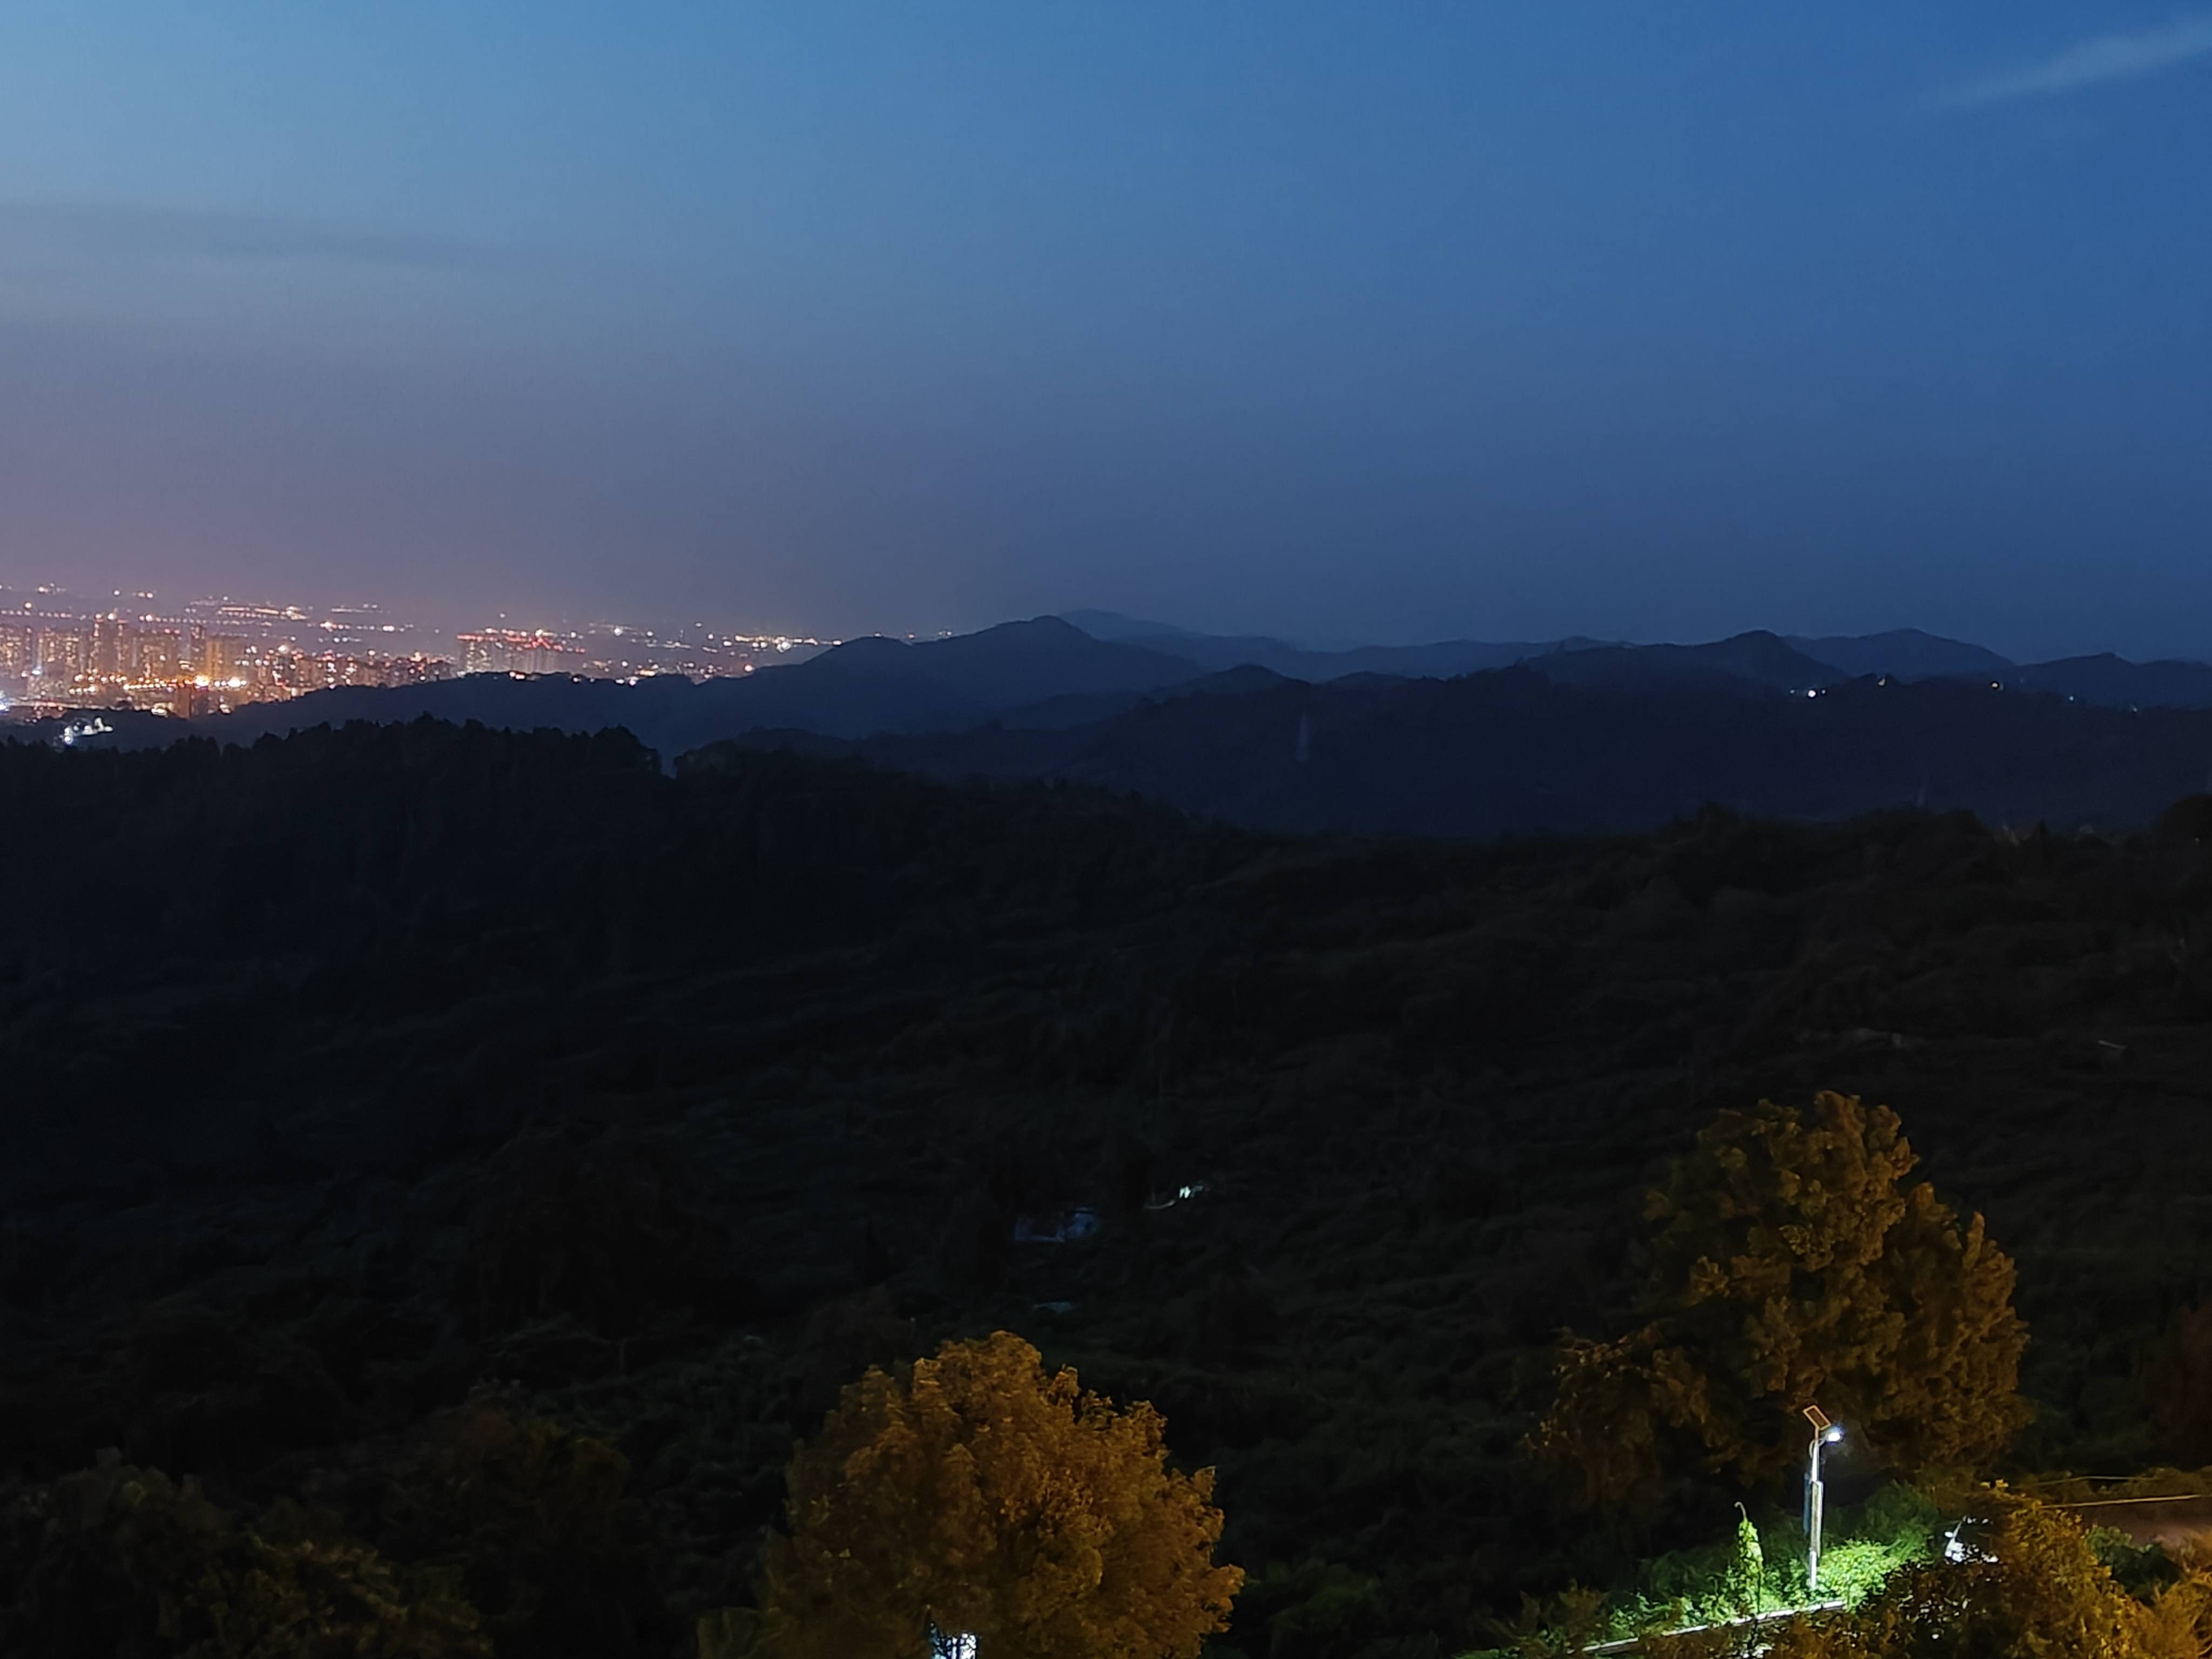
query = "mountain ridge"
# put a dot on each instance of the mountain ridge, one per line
(1517, 751)
(1576, 737)
(1903, 653)
(855, 689)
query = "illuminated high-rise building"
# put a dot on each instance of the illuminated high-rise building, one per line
(63, 653)
(160, 654)
(107, 646)
(223, 656)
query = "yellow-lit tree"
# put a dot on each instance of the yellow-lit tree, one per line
(1792, 1266)
(978, 1495)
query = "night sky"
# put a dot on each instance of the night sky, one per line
(1385, 321)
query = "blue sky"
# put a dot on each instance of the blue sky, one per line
(1386, 321)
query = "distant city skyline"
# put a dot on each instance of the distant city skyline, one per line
(64, 649)
(427, 618)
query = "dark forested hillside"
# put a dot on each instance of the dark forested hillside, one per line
(350, 1076)
(1516, 752)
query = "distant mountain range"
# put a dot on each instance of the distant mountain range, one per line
(1441, 661)
(1455, 738)
(1775, 662)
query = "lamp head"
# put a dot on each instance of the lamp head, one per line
(1832, 1434)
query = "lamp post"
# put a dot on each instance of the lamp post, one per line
(1825, 1433)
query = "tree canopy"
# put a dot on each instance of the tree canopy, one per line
(979, 1495)
(118, 1559)
(1792, 1266)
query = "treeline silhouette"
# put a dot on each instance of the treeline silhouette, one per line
(1517, 751)
(374, 1096)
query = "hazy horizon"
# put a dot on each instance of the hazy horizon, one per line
(429, 620)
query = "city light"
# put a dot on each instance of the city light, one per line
(60, 656)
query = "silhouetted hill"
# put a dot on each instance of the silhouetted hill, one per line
(1091, 709)
(1516, 752)
(1048, 674)
(884, 685)
(863, 686)
(1609, 738)
(1440, 659)
(1114, 625)
(1760, 658)
(1906, 653)
(661, 710)
(344, 1073)
(1745, 663)
(2118, 683)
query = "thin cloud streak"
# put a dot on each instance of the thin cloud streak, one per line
(115, 231)
(2094, 62)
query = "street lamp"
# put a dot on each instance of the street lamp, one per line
(1825, 1433)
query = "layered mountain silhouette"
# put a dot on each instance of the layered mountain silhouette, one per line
(1906, 653)
(1516, 751)
(862, 687)
(1456, 738)
(1748, 665)
(2119, 683)
(1790, 662)
(1439, 660)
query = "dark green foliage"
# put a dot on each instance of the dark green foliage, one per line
(1309, 1611)
(344, 1073)
(534, 1523)
(120, 1559)
(606, 1233)
(2178, 1388)
(1517, 752)
(2140, 1569)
